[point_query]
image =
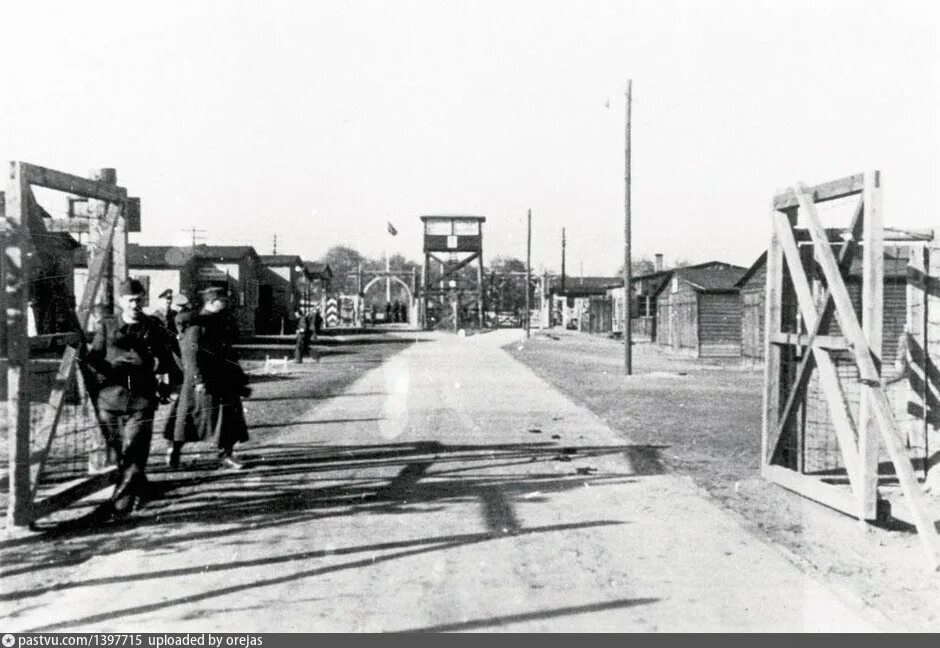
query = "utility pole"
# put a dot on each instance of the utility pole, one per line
(627, 270)
(195, 234)
(562, 259)
(274, 251)
(528, 274)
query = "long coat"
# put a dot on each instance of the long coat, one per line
(209, 358)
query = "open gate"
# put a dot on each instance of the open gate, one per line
(814, 335)
(111, 214)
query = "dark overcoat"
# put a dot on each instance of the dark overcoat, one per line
(209, 358)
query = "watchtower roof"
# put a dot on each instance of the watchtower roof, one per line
(453, 217)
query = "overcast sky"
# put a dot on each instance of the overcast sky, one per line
(320, 121)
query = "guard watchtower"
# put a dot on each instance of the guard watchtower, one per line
(451, 296)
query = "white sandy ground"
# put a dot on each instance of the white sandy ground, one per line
(485, 531)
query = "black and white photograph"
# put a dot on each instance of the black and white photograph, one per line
(453, 316)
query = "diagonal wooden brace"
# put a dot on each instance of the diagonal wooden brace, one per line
(804, 370)
(828, 376)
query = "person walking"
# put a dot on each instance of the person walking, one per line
(180, 427)
(213, 383)
(126, 354)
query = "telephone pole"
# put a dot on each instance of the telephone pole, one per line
(195, 234)
(563, 259)
(528, 274)
(627, 270)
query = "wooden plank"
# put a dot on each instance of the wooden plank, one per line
(872, 311)
(73, 491)
(16, 250)
(832, 190)
(52, 179)
(839, 498)
(772, 321)
(97, 209)
(69, 225)
(890, 434)
(893, 234)
(828, 376)
(832, 342)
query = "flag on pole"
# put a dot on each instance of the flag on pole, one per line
(391, 229)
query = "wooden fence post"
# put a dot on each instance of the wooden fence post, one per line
(17, 252)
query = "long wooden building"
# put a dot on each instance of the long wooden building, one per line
(698, 311)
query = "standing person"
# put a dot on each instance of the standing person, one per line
(126, 354)
(180, 425)
(217, 382)
(302, 339)
(317, 323)
(166, 313)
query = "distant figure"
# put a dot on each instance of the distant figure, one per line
(166, 313)
(374, 313)
(317, 323)
(388, 312)
(302, 336)
(404, 312)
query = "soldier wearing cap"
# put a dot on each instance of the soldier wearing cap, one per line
(166, 313)
(127, 353)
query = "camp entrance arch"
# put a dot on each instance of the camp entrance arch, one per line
(393, 277)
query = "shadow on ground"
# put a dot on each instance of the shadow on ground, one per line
(294, 483)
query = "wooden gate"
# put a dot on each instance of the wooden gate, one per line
(107, 226)
(799, 343)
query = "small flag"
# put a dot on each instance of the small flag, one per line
(391, 229)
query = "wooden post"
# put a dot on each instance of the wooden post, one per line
(97, 209)
(627, 270)
(772, 352)
(528, 275)
(480, 290)
(425, 286)
(872, 310)
(3, 301)
(562, 259)
(17, 251)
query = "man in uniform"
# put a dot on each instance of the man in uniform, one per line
(127, 353)
(166, 313)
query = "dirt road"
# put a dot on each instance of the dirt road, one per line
(449, 488)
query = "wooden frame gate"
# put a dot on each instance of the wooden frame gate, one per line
(790, 298)
(109, 209)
